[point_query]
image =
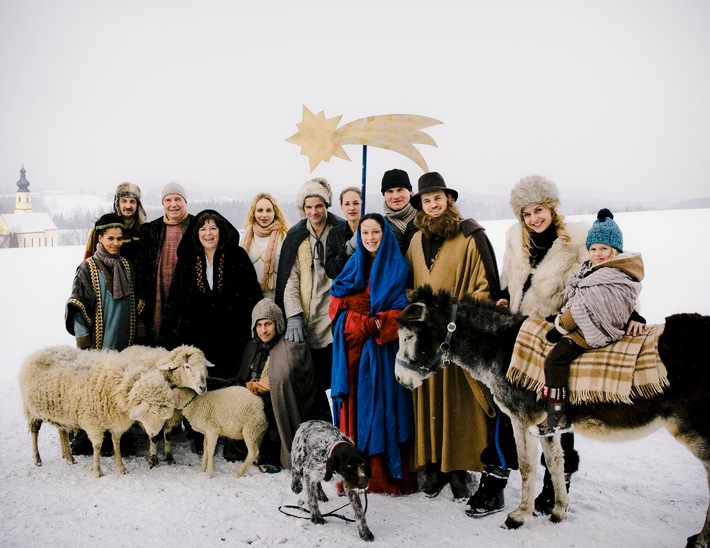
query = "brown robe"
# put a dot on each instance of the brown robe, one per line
(451, 409)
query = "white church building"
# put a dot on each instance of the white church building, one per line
(24, 228)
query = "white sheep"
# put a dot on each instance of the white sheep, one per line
(92, 390)
(233, 412)
(185, 366)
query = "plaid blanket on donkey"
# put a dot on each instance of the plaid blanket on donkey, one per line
(618, 373)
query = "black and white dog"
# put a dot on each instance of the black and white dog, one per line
(319, 450)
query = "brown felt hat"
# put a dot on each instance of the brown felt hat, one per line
(431, 182)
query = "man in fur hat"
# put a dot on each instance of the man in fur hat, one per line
(302, 288)
(127, 204)
(397, 192)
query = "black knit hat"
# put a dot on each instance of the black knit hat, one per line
(431, 182)
(395, 178)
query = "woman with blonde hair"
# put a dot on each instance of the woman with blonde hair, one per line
(266, 228)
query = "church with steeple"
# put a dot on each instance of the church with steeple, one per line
(25, 228)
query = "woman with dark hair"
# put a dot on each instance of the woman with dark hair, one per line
(103, 309)
(213, 291)
(371, 407)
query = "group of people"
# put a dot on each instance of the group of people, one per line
(293, 312)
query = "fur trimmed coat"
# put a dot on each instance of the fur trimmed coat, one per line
(296, 393)
(545, 296)
(451, 409)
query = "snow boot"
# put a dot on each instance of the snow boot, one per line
(545, 501)
(489, 498)
(435, 480)
(461, 484)
(556, 421)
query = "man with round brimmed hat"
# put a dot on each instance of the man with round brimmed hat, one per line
(397, 192)
(302, 285)
(160, 239)
(127, 204)
(450, 407)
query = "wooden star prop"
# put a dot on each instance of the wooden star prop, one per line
(320, 138)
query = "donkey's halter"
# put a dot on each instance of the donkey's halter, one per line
(442, 354)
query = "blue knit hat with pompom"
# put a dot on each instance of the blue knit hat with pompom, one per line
(605, 231)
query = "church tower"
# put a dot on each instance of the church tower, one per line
(23, 200)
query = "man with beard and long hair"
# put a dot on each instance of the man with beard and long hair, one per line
(452, 411)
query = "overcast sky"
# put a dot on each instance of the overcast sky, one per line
(606, 97)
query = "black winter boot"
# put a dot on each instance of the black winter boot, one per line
(556, 421)
(489, 498)
(545, 501)
(460, 481)
(435, 480)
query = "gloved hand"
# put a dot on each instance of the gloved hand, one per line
(356, 303)
(83, 342)
(294, 329)
(553, 336)
(556, 333)
(351, 245)
(369, 329)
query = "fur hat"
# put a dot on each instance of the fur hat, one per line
(173, 188)
(606, 231)
(431, 182)
(318, 188)
(266, 309)
(531, 190)
(133, 190)
(395, 178)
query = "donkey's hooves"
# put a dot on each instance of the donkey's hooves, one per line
(558, 516)
(513, 522)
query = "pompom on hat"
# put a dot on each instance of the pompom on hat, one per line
(605, 231)
(319, 188)
(266, 309)
(173, 188)
(532, 190)
(431, 182)
(395, 178)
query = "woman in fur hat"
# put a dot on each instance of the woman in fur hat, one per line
(212, 294)
(281, 372)
(372, 408)
(266, 228)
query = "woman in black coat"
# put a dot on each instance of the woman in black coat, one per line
(213, 291)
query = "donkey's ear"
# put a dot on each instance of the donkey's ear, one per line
(415, 312)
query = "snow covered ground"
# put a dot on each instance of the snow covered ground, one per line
(650, 492)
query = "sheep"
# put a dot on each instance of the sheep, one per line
(233, 412)
(92, 390)
(185, 366)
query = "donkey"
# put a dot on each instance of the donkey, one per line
(436, 330)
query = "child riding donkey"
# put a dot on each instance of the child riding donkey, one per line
(599, 300)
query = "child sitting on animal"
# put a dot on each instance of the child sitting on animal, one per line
(599, 300)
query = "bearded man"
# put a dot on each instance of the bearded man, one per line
(452, 411)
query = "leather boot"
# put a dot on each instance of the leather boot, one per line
(489, 498)
(545, 501)
(556, 421)
(460, 484)
(435, 480)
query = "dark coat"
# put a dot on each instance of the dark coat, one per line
(296, 393)
(404, 238)
(335, 254)
(151, 239)
(218, 320)
(296, 234)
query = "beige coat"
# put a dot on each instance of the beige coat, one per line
(451, 409)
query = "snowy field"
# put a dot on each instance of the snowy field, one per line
(648, 492)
